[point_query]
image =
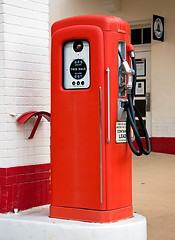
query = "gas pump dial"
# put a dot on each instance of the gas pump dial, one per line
(76, 65)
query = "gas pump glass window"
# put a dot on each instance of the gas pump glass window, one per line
(121, 70)
(76, 64)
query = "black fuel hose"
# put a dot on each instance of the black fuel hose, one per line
(130, 122)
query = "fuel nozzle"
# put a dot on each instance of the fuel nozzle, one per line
(130, 72)
(132, 54)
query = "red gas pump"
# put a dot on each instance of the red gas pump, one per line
(91, 177)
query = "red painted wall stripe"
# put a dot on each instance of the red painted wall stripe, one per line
(25, 169)
(160, 144)
(24, 187)
(163, 145)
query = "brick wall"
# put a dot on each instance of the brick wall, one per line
(24, 187)
(24, 86)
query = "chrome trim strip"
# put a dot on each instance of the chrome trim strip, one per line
(100, 119)
(108, 83)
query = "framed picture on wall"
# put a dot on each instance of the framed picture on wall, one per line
(140, 90)
(141, 67)
(158, 28)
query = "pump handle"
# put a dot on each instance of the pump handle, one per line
(108, 83)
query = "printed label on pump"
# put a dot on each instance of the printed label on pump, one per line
(121, 132)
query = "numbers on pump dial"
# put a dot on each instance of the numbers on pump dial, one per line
(78, 69)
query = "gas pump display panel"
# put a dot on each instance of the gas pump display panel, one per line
(76, 64)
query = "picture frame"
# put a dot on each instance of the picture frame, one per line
(140, 90)
(141, 67)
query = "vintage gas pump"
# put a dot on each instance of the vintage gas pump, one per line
(91, 96)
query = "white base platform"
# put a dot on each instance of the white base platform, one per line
(34, 224)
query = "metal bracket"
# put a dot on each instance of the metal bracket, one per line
(27, 115)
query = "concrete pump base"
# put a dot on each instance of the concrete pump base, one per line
(34, 224)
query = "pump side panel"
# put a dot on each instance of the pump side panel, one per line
(75, 128)
(118, 155)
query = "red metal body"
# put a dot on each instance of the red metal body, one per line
(81, 187)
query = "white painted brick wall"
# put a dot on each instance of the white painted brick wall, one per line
(163, 127)
(25, 80)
